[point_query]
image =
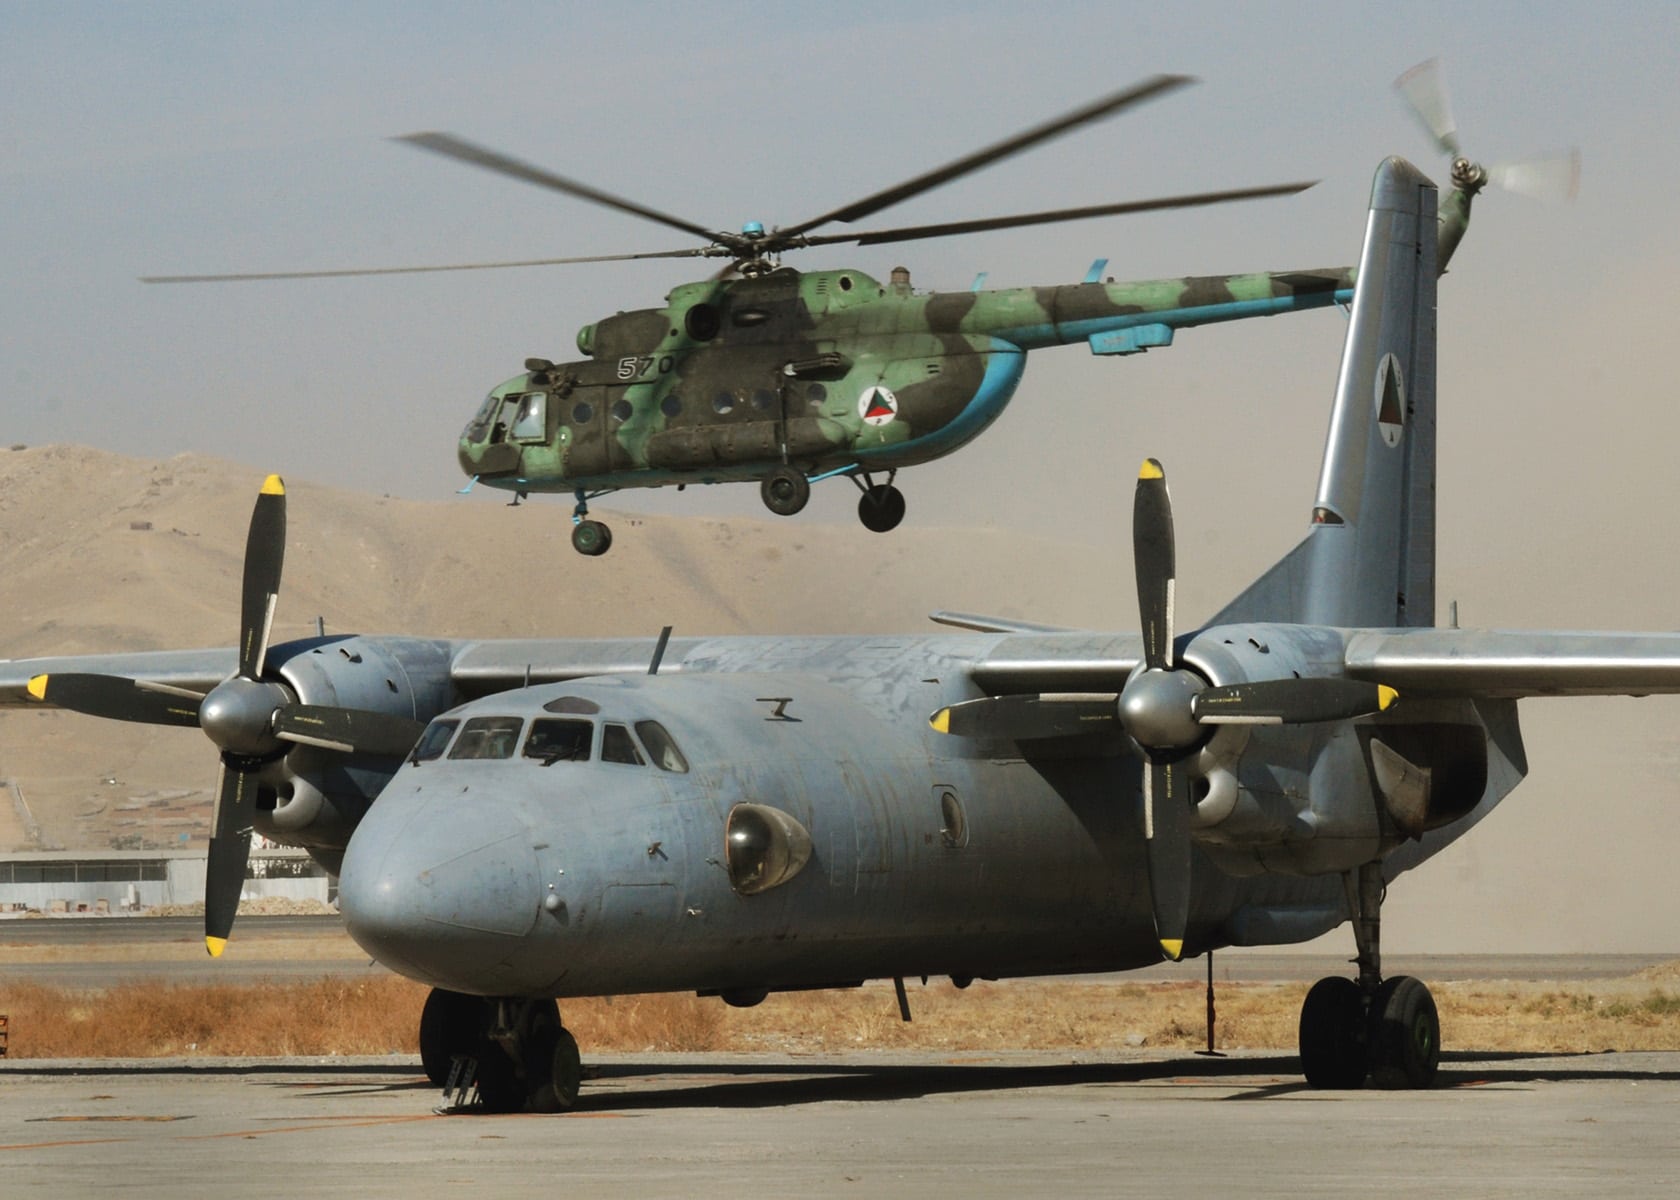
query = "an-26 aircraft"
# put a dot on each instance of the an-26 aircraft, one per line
(736, 816)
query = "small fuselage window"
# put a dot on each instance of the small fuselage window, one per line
(660, 747)
(433, 741)
(559, 739)
(617, 746)
(487, 737)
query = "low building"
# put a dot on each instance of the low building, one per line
(70, 881)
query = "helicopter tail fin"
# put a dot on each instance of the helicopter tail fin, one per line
(1369, 557)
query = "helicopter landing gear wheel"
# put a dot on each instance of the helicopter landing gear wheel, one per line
(785, 491)
(591, 538)
(881, 508)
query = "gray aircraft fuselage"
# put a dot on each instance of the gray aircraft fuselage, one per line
(505, 876)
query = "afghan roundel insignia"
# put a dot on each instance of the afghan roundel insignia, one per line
(1391, 400)
(877, 406)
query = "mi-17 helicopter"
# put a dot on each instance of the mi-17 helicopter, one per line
(514, 822)
(767, 373)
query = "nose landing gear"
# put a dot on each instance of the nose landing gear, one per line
(1388, 1030)
(515, 1052)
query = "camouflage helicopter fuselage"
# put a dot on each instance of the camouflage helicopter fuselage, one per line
(826, 371)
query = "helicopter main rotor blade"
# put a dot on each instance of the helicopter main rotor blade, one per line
(1107, 106)
(355, 272)
(946, 229)
(450, 146)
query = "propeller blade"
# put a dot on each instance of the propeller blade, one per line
(1024, 718)
(1425, 91)
(117, 698)
(950, 228)
(230, 851)
(1166, 806)
(265, 553)
(1290, 701)
(1107, 106)
(1555, 178)
(349, 730)
(356, 272)
(461, 150)
(1154, 562)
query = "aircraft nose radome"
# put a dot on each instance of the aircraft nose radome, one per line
(444, 891)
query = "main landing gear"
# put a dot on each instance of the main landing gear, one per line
(515, 1051)
(881, 507)
(786, 491)
(1386, 1029)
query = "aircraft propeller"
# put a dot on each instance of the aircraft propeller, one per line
(1542, 177)
(248, 717)
(1166, 707)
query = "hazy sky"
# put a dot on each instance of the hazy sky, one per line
(175, 138)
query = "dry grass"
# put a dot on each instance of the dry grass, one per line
(334, 1016)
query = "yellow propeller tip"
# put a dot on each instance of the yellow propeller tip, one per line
(38, 687)
(215, 945)
(272, 486)
(1151, 470)
(1173, 948)
(1385, 697)
(941, 721)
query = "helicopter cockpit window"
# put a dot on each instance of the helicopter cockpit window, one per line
(433, 741)
(487, 737)
(556, 739)
(661, 748)
(480, 424)
(530, 419)
(617, 746)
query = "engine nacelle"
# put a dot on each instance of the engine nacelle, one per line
(318, 795)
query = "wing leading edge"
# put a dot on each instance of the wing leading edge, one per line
(1511, 664)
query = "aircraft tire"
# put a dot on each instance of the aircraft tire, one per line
(500, 1090)
(1405, 1034)
(591, 538)
(540, 1051)
(450, 1024)
(785, 491)
(1333, 1050)
(568, 1072)
(881, 508)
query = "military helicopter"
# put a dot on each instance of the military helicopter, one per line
(766, 373)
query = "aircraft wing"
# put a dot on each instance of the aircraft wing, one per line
(1513, 664)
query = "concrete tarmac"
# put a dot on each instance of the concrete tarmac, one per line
(1014, 1125)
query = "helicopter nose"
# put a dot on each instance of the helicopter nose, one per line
(443, 889)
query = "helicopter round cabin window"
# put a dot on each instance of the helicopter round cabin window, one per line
(582, 413)
(816, 393)
(762, 399)
(671, 405)
(845, 283)
(724, 402)
(702, 322)
(621, 410)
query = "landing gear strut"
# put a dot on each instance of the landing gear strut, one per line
(881, 507)
(591, 538)
(515, 1051)
(1385, 1029)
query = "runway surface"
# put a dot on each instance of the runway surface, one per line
(865, 1125)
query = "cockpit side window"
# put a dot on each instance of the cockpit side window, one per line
(487, 737)
(617, 746)
(555, 739)
(660, 747)
(433, 741)
(529, 421)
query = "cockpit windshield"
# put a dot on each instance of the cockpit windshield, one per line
(559, 739)
(432, 742)
(487, 737)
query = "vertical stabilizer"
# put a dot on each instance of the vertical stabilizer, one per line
(1369, 557)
